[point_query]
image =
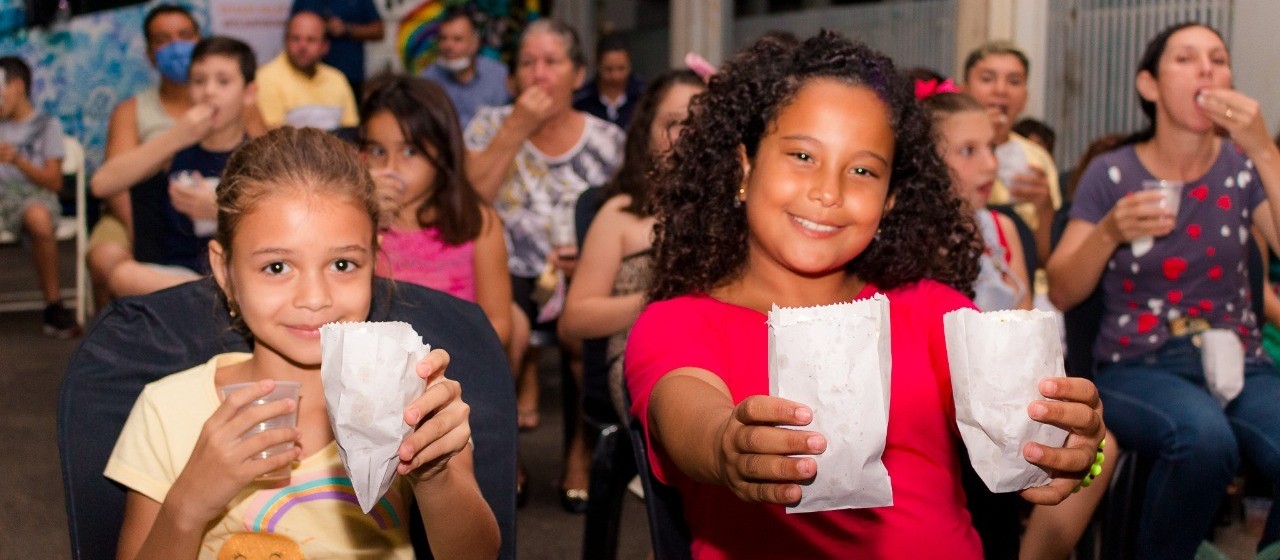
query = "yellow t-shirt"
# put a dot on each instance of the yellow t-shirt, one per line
(1036, 157)
(287, 96)
(315, 516)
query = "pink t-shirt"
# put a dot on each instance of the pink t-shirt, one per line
(928, 518)
(421, 257)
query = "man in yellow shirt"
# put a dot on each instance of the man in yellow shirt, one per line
(297, 89)
(996, 75)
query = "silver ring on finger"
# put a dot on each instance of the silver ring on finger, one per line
(1228, 114)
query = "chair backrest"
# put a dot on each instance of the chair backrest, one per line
(73, 164)
(596, 403)
(73, 156)
(668, 530)
(141, 339)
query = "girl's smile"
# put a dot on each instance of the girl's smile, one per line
(298, 261)
(817, 185)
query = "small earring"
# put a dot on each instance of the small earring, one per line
(742, 193)
(877, 235)
(232, 310)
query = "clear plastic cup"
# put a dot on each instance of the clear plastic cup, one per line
(562, 229)
(283, 390)
(1172, 191)
(187, 178)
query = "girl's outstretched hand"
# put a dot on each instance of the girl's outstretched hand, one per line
(222, 464)
(441, 422)
(1077, 409)
(756, 462)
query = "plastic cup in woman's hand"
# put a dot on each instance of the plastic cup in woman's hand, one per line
(1169, 202)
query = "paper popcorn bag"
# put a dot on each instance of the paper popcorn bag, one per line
(997, 361)
(369, 379)
(836, 360)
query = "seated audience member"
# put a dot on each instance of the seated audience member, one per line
(835, 194)
(349, 24)
(296, 89)
(608, 288)
(471, 79)
(171, 220)
(295, 246)
(532, 160)
(613, 94)
(964, 136)
(30, 177)
(440, 234)
(996, 75)
(171, 34)
(1038, 132)
(1170, 276)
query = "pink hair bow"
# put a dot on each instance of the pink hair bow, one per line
(929, 88)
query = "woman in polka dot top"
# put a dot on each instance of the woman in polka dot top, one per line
(1171, 263)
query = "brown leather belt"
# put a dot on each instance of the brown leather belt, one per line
(1185, 326)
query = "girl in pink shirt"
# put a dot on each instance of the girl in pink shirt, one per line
(440, 235)
(806, 176)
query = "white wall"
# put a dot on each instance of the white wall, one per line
(1255, 58)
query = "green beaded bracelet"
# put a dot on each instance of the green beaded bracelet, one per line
(1095, 469)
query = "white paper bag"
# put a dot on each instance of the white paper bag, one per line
(369, 379)
(836, 360)
(1011, 160)
(997, 361)
(1222, 355)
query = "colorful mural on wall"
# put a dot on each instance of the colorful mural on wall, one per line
(419, 22)
(80, 70)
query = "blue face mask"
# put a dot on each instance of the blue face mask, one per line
(174, 59)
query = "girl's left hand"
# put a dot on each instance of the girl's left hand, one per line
(1077, 409)
(1238, 114)
(441, 422)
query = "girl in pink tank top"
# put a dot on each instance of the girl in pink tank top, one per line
(436, 232)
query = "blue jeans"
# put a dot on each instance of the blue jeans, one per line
(1159, 406)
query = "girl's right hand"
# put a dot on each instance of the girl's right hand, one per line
(1137, 215)
(222, 464)
(756, 452)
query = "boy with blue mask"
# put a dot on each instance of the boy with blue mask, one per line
(170, 244)
(170, 33)
(31, 153)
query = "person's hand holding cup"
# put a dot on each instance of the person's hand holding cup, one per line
(1168, 203)
(564, 241)
(283, 390)
(193, 195)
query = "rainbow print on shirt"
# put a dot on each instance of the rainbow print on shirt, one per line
(267, 508)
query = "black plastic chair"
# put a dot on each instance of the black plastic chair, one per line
(137, 340)
(612, 463)
(668, 530)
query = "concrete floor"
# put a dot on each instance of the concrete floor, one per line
(32, 517)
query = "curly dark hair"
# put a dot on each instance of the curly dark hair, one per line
(635, 176)
(700, 235)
